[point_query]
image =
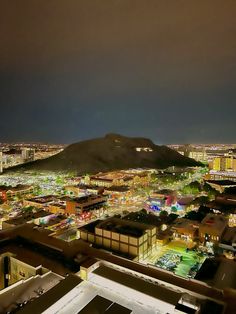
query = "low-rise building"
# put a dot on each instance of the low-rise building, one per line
(12, 191)
(212, 227)
(131, 238)
(12, 269)
(228, 241)
(221, 175)
(117, 178)
(223, 163)
(118, 193)
(85, 203)
(221, 185)
(185, 229)
(40, 201)
(82, 189)
(28, 217)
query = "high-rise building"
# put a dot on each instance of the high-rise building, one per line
(224, 163)
(27, 154)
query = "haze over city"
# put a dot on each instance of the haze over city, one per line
(74, 70)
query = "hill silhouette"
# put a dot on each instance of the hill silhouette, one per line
(112, 152)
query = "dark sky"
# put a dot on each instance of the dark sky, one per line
(73, 69)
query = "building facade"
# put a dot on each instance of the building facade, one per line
(131, 238)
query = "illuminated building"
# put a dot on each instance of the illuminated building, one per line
(221, 175)
(221, 185)
(232, 220)
(41, 201)
(216, 164)
(114, 290)
(127, 237)
(161, 198)
(140, 289)
(68, 205)
(83, 189)
(228, 241)
(223, 163)
(198, 155)
(118, 178)
(16, 270)
(185, 229)
(31, 217)
(85, 203)
(26, 290)
(212, 228)
(134, 286)
(118, 194)
(12, 191)
(27, 154)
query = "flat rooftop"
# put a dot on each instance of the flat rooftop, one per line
(87, 199)
(222, 182)
(88, 186)
(229, 236)
(86, 298)
(114, 188)
(90, 227)
(27, 217)
(34, 258)
(110, 176)
(214, 221)
(101, 305)
(55, 220)
(43, 199)
(19, 187)
(26, 290)
(138, 284)
(183, 223)
(125, 227)
(53, 295)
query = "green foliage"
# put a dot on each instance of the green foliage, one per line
(28, 208)
(172, 217)
(201, 200)
(193, 188)
(173, 209)
(198, 215)
(164, 213)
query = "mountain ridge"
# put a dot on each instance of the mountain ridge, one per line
(112, 152)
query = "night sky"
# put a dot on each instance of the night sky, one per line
(72, 70)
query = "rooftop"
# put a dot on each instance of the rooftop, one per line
(87, 199)
(19, 187)
(101, 305)
(88, 186)
(214, 221)
(53, 295)
(43, 199)
(25, 217)
(138, 284)
(184, 223)
(121, 188)
(90, 227)
(222, 182)
(125, 227)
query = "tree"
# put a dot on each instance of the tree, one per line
(172, 217)
(163, 213)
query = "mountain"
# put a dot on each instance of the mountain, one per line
(112, 152)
